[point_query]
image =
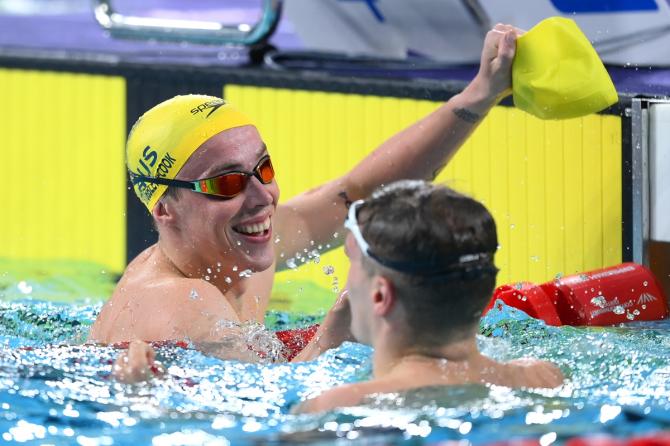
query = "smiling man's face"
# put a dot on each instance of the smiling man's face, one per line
(235, 231)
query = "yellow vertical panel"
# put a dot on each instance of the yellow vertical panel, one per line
(68, 147)
(518, 193)
(462, 169)
(573, 199)
(354, 108)
(498, 143)
(592, 192)
(480, 172)
(536, 186)
(280, 144)
(611, 187)
(554, 202)
(482, 167)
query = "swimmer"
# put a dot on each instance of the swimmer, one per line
(204, 173)
(421, 273)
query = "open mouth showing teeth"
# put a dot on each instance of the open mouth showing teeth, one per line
(255, 229)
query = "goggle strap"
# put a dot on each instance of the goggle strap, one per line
(135, 179)
(463, 266)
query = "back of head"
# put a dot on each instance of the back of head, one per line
(449, 241)
(163, 139)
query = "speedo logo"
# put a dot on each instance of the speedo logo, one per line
(645, 298)
(212, 106)
(148, 161)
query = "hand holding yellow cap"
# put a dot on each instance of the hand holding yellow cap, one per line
(557, 74)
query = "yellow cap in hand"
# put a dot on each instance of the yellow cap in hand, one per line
(557, 74)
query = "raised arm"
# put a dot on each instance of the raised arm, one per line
(420, 151)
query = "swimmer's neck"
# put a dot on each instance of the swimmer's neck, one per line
(392, 354)
(224, 277)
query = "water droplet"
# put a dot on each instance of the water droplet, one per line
(24, 287)
(277, 239)
(218, 264)
(239, 243)
(618, 310)
(291, 263)
(328, 270)
(235, 268)
(630, 316)
(558, 276)
(316, 257)
(645, 283)
(207, 278)
(336, 235)
(209, 270)
(512, 226)
(599, 301)
(228, 280)
(644, 307)
(194, 295)
(518, 285)
(246, 273)
(281, 255)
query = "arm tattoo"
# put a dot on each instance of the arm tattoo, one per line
(467, 115)
(347, 201)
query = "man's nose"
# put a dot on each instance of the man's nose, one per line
(257, 193)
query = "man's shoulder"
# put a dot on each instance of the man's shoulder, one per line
(342, 396)
(538, 373)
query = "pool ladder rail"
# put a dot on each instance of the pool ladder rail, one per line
(193, 31)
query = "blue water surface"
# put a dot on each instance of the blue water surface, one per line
(54, 390)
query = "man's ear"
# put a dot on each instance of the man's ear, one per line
(163, 212)
(383, 295)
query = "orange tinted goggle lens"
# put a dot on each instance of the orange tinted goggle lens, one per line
(265, 172)
(231, 184)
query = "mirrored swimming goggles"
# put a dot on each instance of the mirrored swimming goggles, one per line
(466, 266)
(226, 185)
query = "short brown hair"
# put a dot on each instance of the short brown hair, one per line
(429, 224)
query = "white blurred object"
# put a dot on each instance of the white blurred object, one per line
(624, 32)
(659, 162)
(443, 30)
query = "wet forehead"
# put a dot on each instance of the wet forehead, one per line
(238, 148)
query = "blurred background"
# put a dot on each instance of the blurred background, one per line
(327, 81)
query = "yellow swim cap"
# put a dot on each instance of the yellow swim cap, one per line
(557, 74)
(164, 138)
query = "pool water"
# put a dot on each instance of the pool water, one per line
(53, 390)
